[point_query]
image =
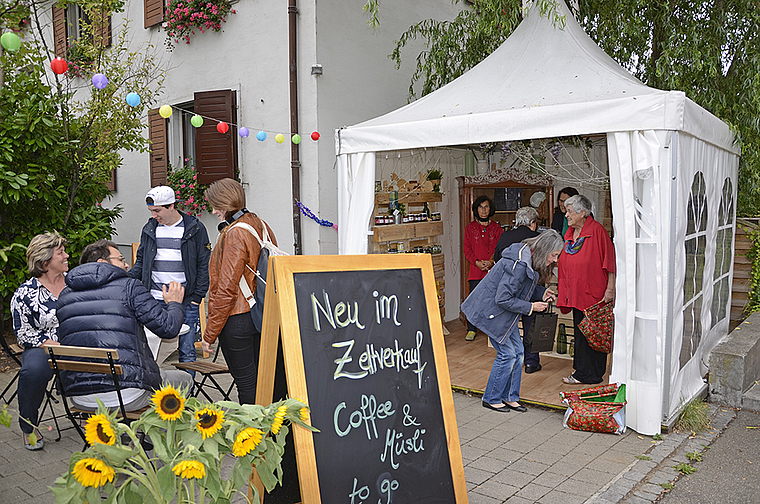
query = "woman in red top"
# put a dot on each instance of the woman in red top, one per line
(586, 276)
(480, 239)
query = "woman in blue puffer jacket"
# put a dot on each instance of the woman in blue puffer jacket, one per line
(513, 287)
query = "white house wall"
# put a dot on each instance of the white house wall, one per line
(251, 57)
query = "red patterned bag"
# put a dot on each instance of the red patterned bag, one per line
(598, 325)
(595, 409)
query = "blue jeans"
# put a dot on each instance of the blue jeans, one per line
(32, 381)
(506, 373)
(186, 345)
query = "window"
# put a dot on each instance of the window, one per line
(69, 26)
(696, 242)
(154, 12)
(723, 253)
(214, 154)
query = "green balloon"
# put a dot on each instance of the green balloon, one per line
(10, 41)
(296, 138)
(196, 121)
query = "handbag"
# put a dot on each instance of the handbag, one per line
(596, 409)
(598, 326)
(540, 337)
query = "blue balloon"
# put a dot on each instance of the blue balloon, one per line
(133, 99)
(100, 81)
(261, 136)
(243, 132)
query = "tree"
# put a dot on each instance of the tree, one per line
(710, 49)
(60, 139)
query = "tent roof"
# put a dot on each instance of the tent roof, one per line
(542, 82)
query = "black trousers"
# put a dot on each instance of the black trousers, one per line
(240, 343)
(589, 364)
(473, 284)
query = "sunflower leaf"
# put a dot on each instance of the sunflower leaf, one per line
(211, 446)
(117, 455)
(167, 481)
(64, 495)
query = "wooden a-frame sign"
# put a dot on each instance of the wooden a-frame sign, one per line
(363, 346)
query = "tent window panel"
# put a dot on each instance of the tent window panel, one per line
(692, 330)
(696, 212)
(695, 264)
(726, 209)
(720, 300)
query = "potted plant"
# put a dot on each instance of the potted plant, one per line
(190, 441)
(190, 194)
(183, 17)
(435, 175)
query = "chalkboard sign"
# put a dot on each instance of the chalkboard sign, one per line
(363, 346)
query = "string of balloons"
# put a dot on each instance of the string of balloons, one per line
(133, 99)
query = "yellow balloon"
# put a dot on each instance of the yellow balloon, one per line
(279, 138)
(165, 111)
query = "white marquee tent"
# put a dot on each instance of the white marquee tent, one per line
(673, 171)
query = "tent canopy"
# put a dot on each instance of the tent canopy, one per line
(542, 82)
(672, 164)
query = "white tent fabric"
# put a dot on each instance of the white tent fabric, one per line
(546, 82)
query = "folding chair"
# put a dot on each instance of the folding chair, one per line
(88, 360)
(206, 369)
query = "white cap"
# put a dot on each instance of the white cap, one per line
(161, 195)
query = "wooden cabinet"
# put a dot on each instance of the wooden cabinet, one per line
(510, 189)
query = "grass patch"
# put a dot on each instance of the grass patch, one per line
(643, 457)
(657, 437)
(685, 468)
(694, 456)
(694, 417)
(667, 486)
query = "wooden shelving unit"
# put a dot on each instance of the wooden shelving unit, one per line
(389, 238)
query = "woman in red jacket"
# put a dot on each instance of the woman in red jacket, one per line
(480, 239)
(586, 276)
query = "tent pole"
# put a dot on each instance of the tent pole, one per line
(669, 315)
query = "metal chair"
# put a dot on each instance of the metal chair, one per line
(13, 351)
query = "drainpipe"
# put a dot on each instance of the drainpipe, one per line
(295, 162)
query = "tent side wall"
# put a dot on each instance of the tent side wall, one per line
(674, 200)
(705, 226)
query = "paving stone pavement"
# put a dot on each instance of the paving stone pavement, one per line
(514, 458)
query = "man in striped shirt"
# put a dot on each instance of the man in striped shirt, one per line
(174, 247)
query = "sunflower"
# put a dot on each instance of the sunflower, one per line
(99, 430)
(304, 413)
(246, 441)
(210, 420)
(278, 418)
(92, 472)
(169, 403)
(190, 469)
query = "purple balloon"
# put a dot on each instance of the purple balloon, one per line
(99, 80)
(243, 132)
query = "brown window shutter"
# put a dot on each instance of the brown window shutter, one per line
(101, 27)
(159, 161)
(154, 12)
(59, 31)
(111, 184)
(215, 154)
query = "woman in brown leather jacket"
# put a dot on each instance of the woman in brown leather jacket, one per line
(229, 316)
